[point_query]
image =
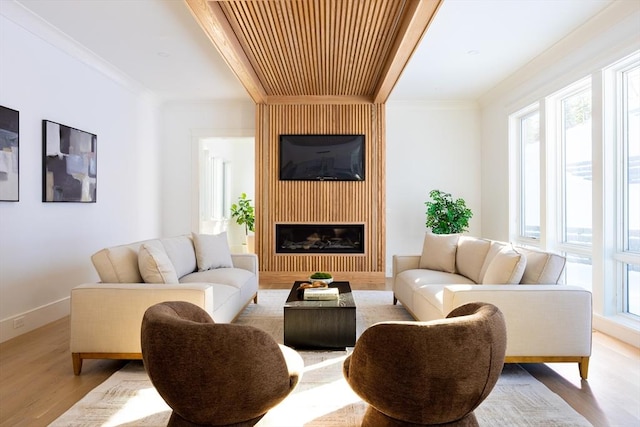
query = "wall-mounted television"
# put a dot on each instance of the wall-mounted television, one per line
(322, 157)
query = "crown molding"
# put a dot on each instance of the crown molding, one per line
(34, 24)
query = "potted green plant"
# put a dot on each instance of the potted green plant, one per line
(244, 214)
(445, 215)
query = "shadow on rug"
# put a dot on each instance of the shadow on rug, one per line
(322, 398)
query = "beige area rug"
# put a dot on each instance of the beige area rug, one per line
(323, 398)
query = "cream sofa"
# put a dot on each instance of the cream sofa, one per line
(546, 321)
(106, 317)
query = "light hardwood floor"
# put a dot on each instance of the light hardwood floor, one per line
(37, 383)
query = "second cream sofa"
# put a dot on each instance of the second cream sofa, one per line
(546, 321)
(106, 317)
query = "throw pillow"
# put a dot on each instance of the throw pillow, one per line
(212, 251)
(155, 266)
(439, 252)
(506, 268)
(491, 253)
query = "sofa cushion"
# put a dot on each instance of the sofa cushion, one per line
(155, 265)
(491, 253)
(542, 267)
(470, 256)
(439, 252)
(212, 251)
(181, 253)
(506, 268)
(238, 278)
(118, 264)
(428, 302)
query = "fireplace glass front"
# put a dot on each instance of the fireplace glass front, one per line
(320, 238)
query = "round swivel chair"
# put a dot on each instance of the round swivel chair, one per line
(428, 373)
(214, 374)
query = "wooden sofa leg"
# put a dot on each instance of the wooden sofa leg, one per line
(395, 300)
(255, 298)
(584, 367)
(77, 363)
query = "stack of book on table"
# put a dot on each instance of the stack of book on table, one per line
(321, 294)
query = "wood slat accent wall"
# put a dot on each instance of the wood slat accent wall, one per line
(320, 202)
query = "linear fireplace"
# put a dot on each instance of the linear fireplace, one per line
(320, 238)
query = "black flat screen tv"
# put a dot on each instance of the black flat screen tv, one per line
(322, 157)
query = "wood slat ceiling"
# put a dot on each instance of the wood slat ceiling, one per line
(321, 51)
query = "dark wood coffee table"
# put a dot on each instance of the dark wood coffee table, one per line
(320, 324)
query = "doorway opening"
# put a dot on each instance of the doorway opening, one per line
(226, 168)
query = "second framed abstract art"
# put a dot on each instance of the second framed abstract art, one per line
(69, 164)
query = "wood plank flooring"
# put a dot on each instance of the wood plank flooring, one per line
(37, 383)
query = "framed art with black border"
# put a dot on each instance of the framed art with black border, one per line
(69, 164)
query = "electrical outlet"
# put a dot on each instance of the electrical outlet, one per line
(18, 322)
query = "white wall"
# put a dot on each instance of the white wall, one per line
(430, 145)
(45, 248)
(184, 124)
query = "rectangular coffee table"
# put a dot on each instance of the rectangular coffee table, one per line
(320, 324)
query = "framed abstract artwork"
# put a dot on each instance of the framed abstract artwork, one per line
(9, 155)
(69, 164)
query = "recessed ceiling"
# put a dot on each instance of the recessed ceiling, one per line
(325, 51)
(159, 44)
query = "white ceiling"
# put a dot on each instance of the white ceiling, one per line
(470, 47)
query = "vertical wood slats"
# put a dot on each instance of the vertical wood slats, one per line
(320, 202)
(317, 48)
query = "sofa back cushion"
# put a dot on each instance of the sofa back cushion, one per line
(470, 256)
(181, 253)
(542, 267)
(119, 264)
(212, 251)
(491, 253)
(439, 252)
(506, 267)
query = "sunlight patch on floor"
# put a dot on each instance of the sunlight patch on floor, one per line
(145, 403)
(316, 402)
(321, 400)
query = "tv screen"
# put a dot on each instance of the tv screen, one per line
(322, 157)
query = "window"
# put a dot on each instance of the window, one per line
(575, 155)
(575, 144)
(214, 193)
(578, 271)
(570, 190)
(626, 80)
(631, 287)
(630, 136)
(528, 130)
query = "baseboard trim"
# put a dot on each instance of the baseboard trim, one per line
(34, 319)
(617, 329)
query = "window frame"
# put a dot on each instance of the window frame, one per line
(617, 141)
(515, 125)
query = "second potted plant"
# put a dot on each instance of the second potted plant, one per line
(445, 215)
(244, 214)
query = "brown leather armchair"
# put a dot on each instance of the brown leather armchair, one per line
(428, 373)
(214, 374)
